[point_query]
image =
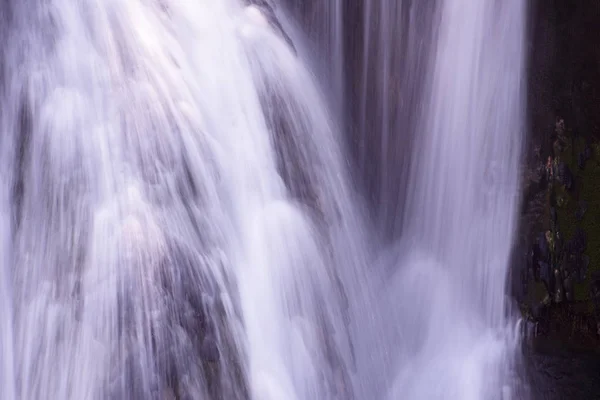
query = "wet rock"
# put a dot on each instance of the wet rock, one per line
(294, 152)
(558, 243)
(537, 151)
(585, 263)
(579, 241)
(558, 295)
(560, 128)
(581, 209)
(544, 249)
(546, 276)
(581, 160)
(595, 296)
(533, 256)
(532, 267)
(569, 287)
(539, 311)
(587, 153)
(550, 241)
(582, 267)
(557, 147)
(536, 311)
(565, 176)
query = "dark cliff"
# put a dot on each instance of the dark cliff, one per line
(556, 279)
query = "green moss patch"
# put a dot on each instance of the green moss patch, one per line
(586, 188)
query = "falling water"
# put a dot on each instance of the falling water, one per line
(438, 119)
(178, 221)
(461, 210)
(447, 294)
(173, 204)
(390, 66)
(323, 26)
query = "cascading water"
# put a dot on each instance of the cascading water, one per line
(439, 115)
(461, 210)
(173, 205)
(177, 220)
(444, 314)
(391, 67)
(323, 26)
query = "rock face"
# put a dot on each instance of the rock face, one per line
(557, 278)
(560, 270)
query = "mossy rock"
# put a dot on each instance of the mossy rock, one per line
(586, 188)
(568, 211)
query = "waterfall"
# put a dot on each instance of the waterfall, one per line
(323, 27)
(463, 195)
(438, 118)
(390, 66)
(180, 218)
(462, 148)
(173, 204)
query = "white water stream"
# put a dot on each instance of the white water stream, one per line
(178, 221)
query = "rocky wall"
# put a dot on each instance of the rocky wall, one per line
(556, 278)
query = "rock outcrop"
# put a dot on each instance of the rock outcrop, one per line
(559, 277)
(556, 279)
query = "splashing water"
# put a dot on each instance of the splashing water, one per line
(178, 223)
